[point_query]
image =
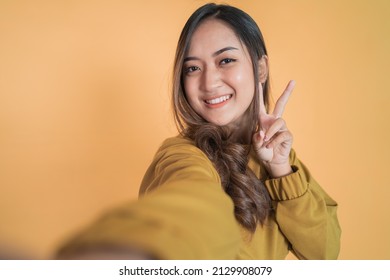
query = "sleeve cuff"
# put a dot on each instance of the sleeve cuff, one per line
(288, 187)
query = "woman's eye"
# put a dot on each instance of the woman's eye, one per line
(227, 60)
(191, 69)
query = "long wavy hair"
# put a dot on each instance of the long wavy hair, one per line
(230, 158)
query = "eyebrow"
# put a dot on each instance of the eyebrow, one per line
(214, 54)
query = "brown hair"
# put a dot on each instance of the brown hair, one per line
(230, 158)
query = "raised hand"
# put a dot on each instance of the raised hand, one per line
(273, 141)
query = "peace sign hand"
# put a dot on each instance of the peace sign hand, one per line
(273, 141)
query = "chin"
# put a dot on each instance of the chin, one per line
(225, 120)
(219, 122)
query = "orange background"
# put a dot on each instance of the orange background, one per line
(84, 104)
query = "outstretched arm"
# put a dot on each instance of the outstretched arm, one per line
(184, 215)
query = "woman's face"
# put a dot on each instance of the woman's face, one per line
(218, 74)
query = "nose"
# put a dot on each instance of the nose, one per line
(211, 79)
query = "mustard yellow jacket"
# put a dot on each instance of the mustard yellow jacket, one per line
(183, 213)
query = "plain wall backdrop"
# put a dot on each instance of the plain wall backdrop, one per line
(84, 105)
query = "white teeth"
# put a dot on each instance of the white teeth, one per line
(218, 100)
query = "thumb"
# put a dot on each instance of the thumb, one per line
(258, 139)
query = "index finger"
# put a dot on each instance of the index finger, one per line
(282, 101)
(263, 111)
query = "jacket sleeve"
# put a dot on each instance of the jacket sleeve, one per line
(305, 213)
(183, 214)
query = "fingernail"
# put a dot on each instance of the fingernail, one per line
(261, 134)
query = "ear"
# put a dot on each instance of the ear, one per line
(263, 69)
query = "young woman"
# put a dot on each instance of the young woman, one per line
(229, 186)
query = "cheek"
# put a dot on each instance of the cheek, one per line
(187, 88)
(190, 91)
(243, 82)
(243, 73)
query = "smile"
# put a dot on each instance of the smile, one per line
(218, 100)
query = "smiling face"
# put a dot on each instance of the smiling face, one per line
(218, 74)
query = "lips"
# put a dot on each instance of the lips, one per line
(218, 100)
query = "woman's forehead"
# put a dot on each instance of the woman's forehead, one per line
(211, 36)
